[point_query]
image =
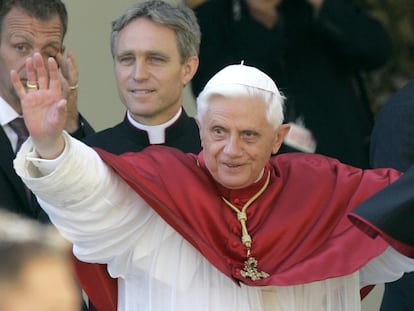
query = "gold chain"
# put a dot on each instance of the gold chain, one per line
(251, 263)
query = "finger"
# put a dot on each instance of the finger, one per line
(61, 63)
(59, 59)
(72, 73)
(31, 75)
(41, 71)
(17, 84)
(54, 75)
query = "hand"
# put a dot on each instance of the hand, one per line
(264, 11)
(44, 108)
(70, 79)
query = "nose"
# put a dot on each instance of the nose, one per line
(233, 146)
(140, 70)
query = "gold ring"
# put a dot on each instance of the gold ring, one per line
(31, 86)
(74, 87)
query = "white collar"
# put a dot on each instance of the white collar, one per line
(156, 133)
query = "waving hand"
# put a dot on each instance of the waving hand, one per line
(44, 109)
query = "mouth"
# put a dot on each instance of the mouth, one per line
(142, 91)
(232, 165)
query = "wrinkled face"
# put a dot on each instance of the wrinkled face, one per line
(237, 140)
(45, 283)
(149, 73)
(23, 35)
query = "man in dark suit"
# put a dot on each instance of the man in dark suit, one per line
(28, 27)
(393, 146)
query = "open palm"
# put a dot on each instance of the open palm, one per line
(44, 109)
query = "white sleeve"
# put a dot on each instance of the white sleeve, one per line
(90, 205)
(387, 267)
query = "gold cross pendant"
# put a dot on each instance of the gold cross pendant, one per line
(250, 270)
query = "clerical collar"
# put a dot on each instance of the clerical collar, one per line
(156, 133)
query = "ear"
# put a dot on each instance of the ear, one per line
(63, 49)
(281, 133)
(189, 69)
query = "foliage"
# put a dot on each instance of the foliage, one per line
(398, 19)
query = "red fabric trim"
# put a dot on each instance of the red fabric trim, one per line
(102, 290)
(366, 290)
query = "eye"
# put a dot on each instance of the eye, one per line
(126, 59)
(22, 48)
(250, 136)
(51, 52)
(49, 55)
(156, 59)
(218, 131)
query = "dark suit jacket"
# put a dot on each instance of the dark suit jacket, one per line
(392, 140)
(13, 195)
(392, 145)
(123, 137)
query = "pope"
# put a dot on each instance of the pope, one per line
(232, 228)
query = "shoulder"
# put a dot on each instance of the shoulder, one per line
(103, 134)
(399, 104)
(298, 159)
(308, 167)
(391, 139)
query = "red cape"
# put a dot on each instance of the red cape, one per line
(303, 211)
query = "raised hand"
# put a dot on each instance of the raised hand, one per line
(43, 106)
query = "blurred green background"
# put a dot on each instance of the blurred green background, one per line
(398, 18)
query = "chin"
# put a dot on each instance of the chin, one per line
(232, 184)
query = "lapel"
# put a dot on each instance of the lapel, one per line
(6, 165)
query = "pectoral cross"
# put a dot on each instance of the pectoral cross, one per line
(250, 270)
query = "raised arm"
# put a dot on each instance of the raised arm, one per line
(43, 106)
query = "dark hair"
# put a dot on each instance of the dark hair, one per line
(40, 9)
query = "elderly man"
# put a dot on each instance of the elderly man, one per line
(229, 229)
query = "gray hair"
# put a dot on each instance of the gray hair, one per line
(180, 18)
(274, 102)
